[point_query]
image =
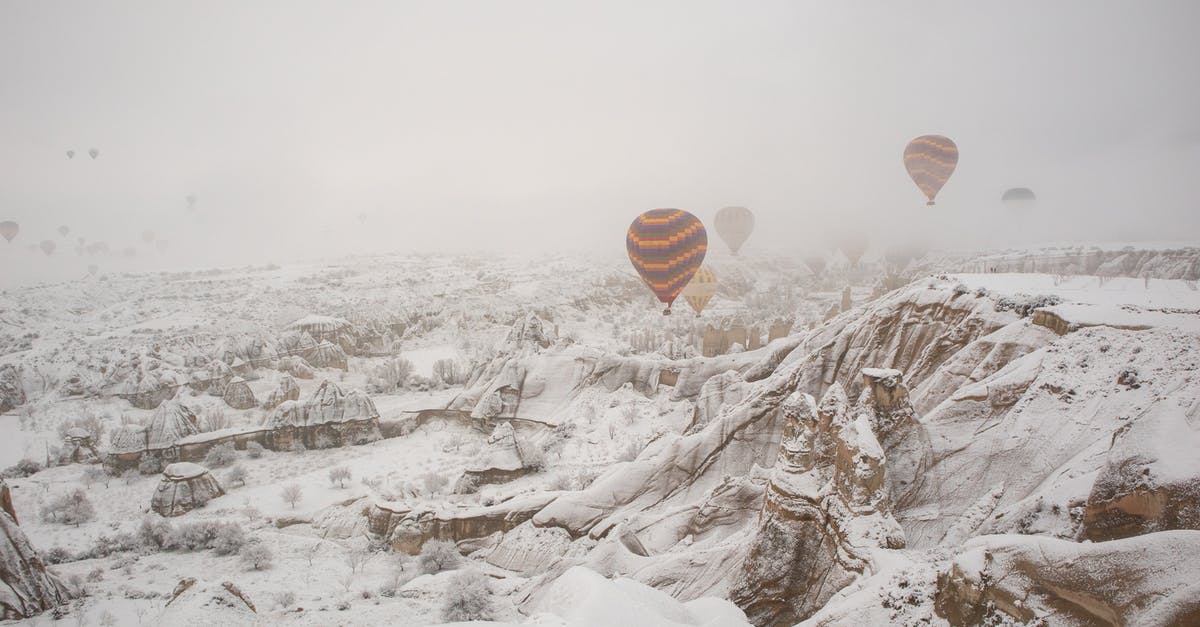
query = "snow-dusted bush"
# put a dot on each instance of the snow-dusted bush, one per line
(214, 419)
(339, 475)
(229, 539)
(437, 555)
(434, 482)
(95, 474)
(533, 458)
(292, 494)
(105, 545)
(237, 475)
(389, 376)
(257, 556)
(450, 372)
(153, 532)
(468, 597)
(1023, 304)
(22, 469)
(220, 455)
(629, 453)
(71, 508)
(89, 422)
(254, 450)
(57, 555)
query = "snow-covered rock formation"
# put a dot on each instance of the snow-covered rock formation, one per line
(184, 487)
(29, 587)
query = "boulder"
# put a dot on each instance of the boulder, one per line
(184, 487)
(238, 394)
(29, 587)
(287, 390)
(327, 355)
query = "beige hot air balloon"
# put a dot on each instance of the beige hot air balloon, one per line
(48, 247)
(700, 289)
(734, 225)
(9, 229)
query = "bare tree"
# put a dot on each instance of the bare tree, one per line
(339, 475)
(292, 494)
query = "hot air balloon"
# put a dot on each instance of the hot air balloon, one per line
(129, 251)
(191, 202)
(81, 241)
(161, 245)
(666, 247)
(816, 263)
(734, 225)
(93, 153)
(930, 160)
(9, 229)
(70, 154)
(700, 289)
(362, 218)
(1019, 198)
(148, 236)
(48, 247)
(63, 230)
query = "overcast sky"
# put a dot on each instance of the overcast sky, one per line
(550, 125)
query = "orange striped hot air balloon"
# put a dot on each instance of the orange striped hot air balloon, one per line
(930, 160)
(9, 229)
(734, 225)
(700, 289)
(666, 247)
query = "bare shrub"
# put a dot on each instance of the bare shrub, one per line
(434, 482)
(339, 475)
(71, 508)
(437, 555)
(237, 474)
(292, 495)
(254, 450)
(468, 597)
(220, 455)
(214, 418)
(257, 556)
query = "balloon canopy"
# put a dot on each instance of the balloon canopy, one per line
(930, 160)
(666, 247)
(700, 289)
(734, 225)
(1019, 198)
(9, 229)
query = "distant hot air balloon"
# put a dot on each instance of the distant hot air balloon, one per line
(1019, 198)
(899, 257)
(148, 236)
(700, 289)
(930, 160)
(191, 202)
(734, 225)
(9, 229)
(70, 154)
(854, 247)
(129, 251)
(362, 218)
(81, 241)
(816, 263)
(93, 153)
(63, 230)
(666, 247)
(92, 269)
(48, 247)
(161, 245)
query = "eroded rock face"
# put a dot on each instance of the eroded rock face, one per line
(1148, 482)
(29, 587)
(184, 487)
(1147, 580)
(332, 417)
(826, 506)
(11, 393)
(726, 389)
(408, 529)
(287, 390)
(238, 394)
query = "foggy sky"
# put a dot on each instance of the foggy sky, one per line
(515, 126)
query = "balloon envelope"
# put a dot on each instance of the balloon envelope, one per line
(63, 230)
(93, 153)
(70, 154)
(48, 247)
(666, 247)
(700, 289)
(816, 263)
(147, 236)
(930, 160)
(9, 229)
(1019, 198)
(854, 247)
(734, 225)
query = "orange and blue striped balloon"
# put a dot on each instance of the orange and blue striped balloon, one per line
(666, 247)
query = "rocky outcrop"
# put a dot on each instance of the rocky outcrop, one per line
(184, 487)
(826, 508)
(197, 602)
(327, 355)
(238, 394)
(724, 390)
(1150, 481)
(29, 587)
(407, 528)
(1147, 580)
(504, 459)
(172, 421)
(287, 390)
(529, 331)
(79, 447)
(296, 366)
(11, 392)
(331, 417)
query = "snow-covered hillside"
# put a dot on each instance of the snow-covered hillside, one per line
(386, 438)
